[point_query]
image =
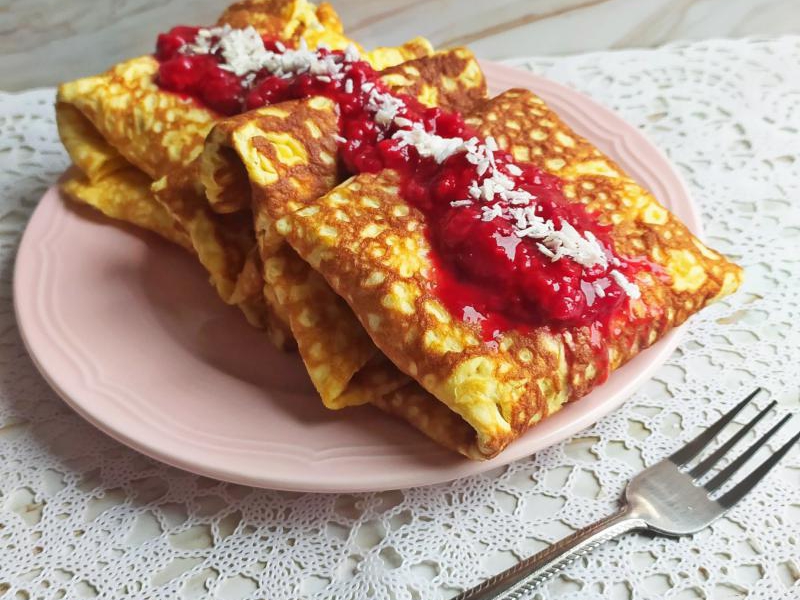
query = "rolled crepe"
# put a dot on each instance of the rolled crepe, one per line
(276, 160)
(370, 246)
(122, 118)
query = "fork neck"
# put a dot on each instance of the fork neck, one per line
(522, 578)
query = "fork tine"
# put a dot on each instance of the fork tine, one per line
(749, 482)
(726, 473)
(707, 464)
(693, 448)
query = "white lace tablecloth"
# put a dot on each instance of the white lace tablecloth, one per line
(83, 516)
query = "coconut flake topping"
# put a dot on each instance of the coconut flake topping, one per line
(244, 54)
(555, 242)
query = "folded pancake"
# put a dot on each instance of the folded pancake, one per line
(385, 57)
(371, 247)
(287, 20)
(123, 118)
(288, 152)
(290, 21)
(122, 131)
(286, 155)
(105, 124)
(152, 129)
(122, 125)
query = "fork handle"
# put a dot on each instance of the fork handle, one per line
(514, 583)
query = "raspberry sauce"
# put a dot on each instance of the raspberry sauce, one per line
(492, 263)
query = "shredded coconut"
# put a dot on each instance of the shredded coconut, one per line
(472, 316)
(490, 213)
(600, 287)
(384, 106)
(351, 53)
(429, 145)
(589, 292)
(508, 243)
(244, 54)
(631, 289)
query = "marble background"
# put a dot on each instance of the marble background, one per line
(43, 42)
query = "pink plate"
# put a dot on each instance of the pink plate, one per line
(126, 328)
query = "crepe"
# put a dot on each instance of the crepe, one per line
(122, 118)
(289, 21)
(370, 246)
(295, 20)
(278, 159)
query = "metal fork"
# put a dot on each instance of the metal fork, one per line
(666, 498)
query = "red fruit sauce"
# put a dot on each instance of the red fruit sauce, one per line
(483, 272)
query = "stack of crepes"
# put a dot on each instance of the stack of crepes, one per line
(342, 269)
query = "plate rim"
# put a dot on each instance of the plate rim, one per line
(657, 354)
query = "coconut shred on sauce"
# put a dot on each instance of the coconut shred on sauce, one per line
(509, 250)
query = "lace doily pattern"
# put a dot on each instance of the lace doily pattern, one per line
(82, 516)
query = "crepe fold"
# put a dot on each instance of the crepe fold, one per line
(275, 160)
(370, 246)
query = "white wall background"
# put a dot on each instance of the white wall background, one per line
(43, 42)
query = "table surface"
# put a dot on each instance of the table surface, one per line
(83, 516)
(44, 42)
